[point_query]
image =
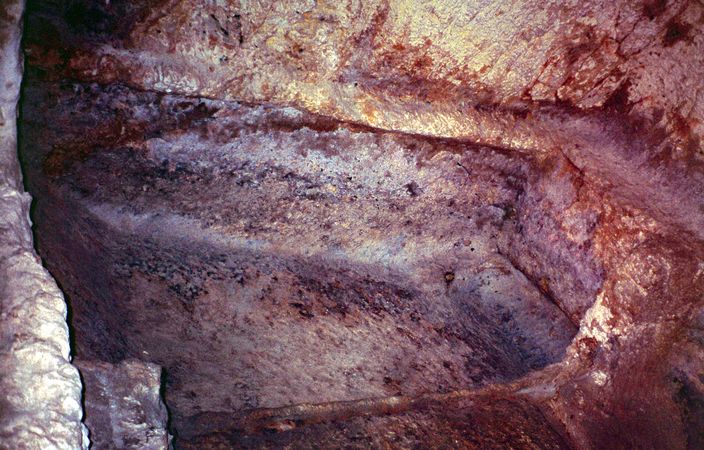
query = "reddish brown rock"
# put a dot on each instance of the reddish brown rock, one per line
(381, 224)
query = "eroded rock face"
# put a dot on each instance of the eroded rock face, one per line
(381, 223)
(41, 391)
(123, 405)
(293, 260)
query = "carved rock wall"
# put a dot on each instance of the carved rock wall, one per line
(472, 225)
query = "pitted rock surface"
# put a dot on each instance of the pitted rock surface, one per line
(387, 224)
(123, 405)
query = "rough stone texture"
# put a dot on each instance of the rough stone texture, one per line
(468, 422)
(436, 68)
(449, 69)
(354, 224)
(257, 237)
(40, 406)
(123, 405)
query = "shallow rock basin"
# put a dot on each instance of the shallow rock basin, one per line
(378, 224)
(265, 257)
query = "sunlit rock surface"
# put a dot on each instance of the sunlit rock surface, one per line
(381, 224)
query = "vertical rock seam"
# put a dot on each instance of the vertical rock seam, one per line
(40, 406)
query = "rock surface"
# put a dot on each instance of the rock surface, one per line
(283, 264)
(40, 405)
(123, 405)
(381, 224)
